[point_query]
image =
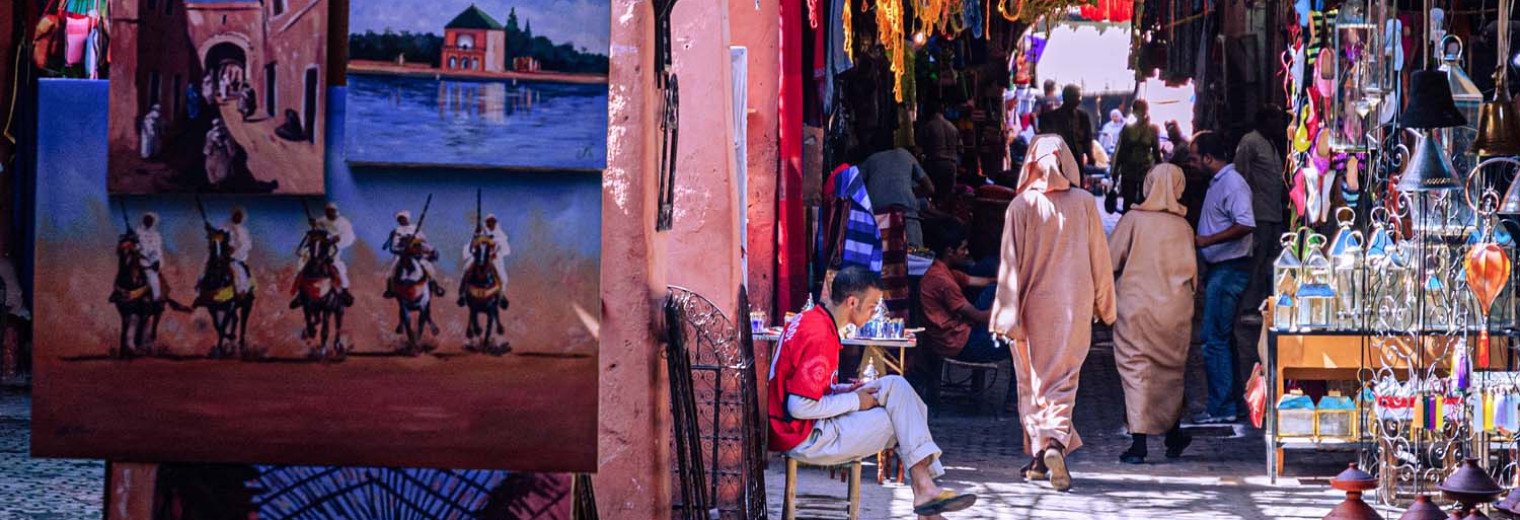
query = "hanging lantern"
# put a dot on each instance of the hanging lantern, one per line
(1401, 279)
(1498, 122)
(1346, 255)
(1380, 246)
(1357, 89)
(1436, 289)
(1464, 93)
(1316, 292)
(1285, 274)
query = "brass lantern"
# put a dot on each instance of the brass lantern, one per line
(1316, 289)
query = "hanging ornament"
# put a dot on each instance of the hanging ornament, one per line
(889, 26)
(847, 20)
(812, 6)
(1487, 271)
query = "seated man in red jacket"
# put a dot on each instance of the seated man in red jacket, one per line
(818, 422)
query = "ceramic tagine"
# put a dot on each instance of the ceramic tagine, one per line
(1423, 509)
(1354, 482)
(1470, 486)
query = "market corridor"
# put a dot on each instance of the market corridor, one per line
(1222, 475)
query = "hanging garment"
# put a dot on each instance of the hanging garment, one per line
(858, 241)
(838, 56)
(78, 30)
(892, 225)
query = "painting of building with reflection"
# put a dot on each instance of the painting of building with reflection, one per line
(488, 84)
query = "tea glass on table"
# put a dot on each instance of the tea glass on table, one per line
(757, 321)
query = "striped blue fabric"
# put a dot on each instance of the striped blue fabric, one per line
(862, 239)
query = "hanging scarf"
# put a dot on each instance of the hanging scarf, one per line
(972, 13)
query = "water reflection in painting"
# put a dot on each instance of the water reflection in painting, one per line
(498, 123)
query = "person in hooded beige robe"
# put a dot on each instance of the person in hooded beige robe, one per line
(1055, 276)
(1152, 249)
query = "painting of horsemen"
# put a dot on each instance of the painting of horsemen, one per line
(217, 96)
(368, 326)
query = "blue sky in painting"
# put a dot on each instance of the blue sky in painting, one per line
(583, 23)
(73, 205)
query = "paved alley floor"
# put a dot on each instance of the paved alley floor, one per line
(42, 489)
(1222, 476)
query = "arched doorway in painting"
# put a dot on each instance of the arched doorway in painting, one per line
(227, 64)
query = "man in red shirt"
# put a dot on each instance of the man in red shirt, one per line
(954, 327)
(818, 422)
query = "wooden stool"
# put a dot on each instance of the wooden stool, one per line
(789, 500)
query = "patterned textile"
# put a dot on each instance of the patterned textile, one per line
(894, 261)
(860, 242)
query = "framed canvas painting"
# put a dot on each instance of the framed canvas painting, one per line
(217, 96)
(500, 84)
(437, 319)
(204, 491)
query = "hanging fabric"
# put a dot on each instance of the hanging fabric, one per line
(48, 35)
(77, 30)
(972, 12)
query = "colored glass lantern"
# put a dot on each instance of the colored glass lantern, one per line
(1358, 89)
(1316, 290)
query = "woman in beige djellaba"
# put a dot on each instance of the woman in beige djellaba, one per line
(1054, 278)
(1153, 255)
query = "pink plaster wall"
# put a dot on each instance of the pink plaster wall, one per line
(704, 245)
(758, 30)
(633, 479)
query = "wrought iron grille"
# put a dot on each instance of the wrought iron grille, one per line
(719, 438)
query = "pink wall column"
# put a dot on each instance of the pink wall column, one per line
(758, 30)
(704, 244)
(633, 478)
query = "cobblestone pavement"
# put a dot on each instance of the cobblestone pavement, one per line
(1222, 476)
(42, 489)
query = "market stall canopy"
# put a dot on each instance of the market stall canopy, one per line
(1107, 11)
(1093, 56)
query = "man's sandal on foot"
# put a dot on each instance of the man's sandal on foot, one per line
(1033, 472)
(947, 502)
(1060, 478)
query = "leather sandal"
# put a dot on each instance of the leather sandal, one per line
(947, 502)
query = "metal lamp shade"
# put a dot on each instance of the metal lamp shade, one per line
(1430, 102)
(1429, 169)
(1498, 127)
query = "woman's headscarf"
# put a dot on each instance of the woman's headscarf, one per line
(1163, 190)
(1049, 166)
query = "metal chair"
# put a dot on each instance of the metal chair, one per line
(977, 383)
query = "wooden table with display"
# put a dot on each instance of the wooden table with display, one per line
(1343, 355)
(877, 349)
